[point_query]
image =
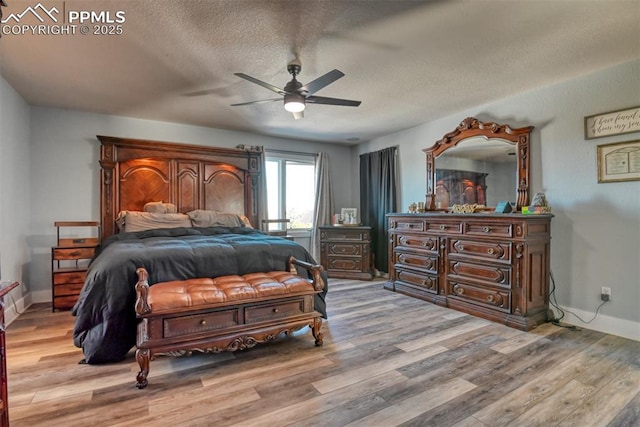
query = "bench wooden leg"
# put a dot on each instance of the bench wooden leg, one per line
(315, 329)
(142, 357)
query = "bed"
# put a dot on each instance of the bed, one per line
(203, 183)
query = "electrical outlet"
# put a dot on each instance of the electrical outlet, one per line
(605, 294)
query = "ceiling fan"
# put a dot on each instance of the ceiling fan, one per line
(296, 95)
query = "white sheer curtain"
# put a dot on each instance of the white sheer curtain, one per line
(323, 207)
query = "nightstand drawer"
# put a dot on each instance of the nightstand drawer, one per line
(65, 278)
(345, 234)
(73, 253)
(64, 302)
(344, 249)
(335, 264)
(67, 289)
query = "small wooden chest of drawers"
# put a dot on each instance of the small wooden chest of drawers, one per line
(70, 258)
(345, 252)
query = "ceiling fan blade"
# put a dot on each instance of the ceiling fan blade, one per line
(332, 101)
(298, 115)
(201, 92)
(256, 102)
(261, 83)
(322, 81)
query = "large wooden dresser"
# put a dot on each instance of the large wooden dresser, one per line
(345, 252)
(495, 266)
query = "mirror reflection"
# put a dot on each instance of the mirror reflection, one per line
(474, 164)
(477, 170)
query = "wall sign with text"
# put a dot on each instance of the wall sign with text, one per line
(612, 123)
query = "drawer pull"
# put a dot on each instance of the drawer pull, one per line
(486, 229)
(490, 251)
(203, 322)
(442, 227)
(461, 248)
(275, 310)
(459, 290)
(490, 298)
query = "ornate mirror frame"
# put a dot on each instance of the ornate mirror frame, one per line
(472, 127)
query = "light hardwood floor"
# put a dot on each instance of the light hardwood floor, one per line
(387, 360)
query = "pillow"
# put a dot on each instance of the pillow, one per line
(140, 221)
(160, 207)
(245, 221)
(203, 218)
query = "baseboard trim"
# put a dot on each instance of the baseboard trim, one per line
(602, 323)
(13, 309)
(41, 296)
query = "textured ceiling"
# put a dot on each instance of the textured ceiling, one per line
(409, 62)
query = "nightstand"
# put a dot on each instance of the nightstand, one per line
(345, 252)
(76, 246)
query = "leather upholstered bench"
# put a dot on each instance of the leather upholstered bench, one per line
(226, 313)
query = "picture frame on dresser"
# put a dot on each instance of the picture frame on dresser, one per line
(349, 216)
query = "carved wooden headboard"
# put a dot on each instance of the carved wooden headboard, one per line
(135, 172)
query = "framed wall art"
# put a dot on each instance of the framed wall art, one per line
(612, 123)
(619, 162)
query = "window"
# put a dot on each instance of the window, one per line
(291, 189)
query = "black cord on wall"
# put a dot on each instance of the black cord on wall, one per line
(554, 303)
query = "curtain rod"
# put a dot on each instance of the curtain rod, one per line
(299, 153)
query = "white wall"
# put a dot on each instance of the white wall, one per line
(14, 194)
(65, 174)
(596, 229)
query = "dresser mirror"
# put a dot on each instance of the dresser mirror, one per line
(479, 163)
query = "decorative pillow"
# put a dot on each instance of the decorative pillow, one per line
(245, 221)
(203, 218)
(160, 207)
(140, 221)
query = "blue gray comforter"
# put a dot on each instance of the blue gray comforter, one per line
(105, 324)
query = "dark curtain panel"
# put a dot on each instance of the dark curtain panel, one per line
(378, 195)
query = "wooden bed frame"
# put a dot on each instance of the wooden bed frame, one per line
(136, 171)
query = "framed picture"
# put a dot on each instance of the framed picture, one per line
(349, 215)
(619, 161)
(612, 123)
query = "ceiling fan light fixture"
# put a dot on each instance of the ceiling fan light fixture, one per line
(294, 103)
